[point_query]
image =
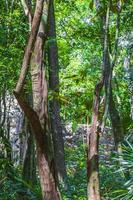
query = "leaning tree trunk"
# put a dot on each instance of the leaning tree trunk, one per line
(54, 105)
(49, 189)
(48, 184)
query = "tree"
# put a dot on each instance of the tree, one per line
(48, 184)
(79, 74)
(56, 126)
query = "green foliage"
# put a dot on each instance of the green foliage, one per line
(79, 34)
(126, 171)
(13, 31)
(79, 38)
(109, 182)
(76, 170)
(12, 186)
(116, 179)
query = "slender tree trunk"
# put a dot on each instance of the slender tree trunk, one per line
(27, 157)
(116, 121)
(129, 75)
(23, 141)
(4, 126)
(4, 106)
(7, 152)
(93, 137)
(108, 66)
(29, 165)
(93, 143)
(117, 128)
(54, 105)
(93, 187)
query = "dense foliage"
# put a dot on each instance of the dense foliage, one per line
(80, 51)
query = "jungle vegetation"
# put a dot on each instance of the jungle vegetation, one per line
(66, 100)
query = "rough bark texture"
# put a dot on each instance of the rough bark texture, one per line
(39, 83)
(29, 164)
(37, 118)
(116, 122)
(54, 105)
(93, 143)
(48, 185)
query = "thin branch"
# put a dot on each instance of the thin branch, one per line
(114, 56)
(30, 45)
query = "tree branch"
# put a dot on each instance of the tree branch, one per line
(33, 119)
(30, 45)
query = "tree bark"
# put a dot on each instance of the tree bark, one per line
(117, 128)
(54, 105)
(29, 162)
(129, 75)
(39, 83)
(93, 143)
(36, 119)
(108, 66)
(49, 188)
(116, 121)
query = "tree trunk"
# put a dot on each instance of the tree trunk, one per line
(54, 105)
(117, 128)
(30, 45)
(29, 163)
(93, 143)
(39, 85)
(49, 188)
(38, 118)
(116, 121)
(129, 75)
(108, 66)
